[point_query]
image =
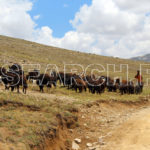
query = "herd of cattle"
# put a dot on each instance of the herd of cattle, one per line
(15, 77)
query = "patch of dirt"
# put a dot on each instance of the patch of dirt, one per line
(94, 123)
(98, 120)
(56, 138)
(60, 99)
(133, 134)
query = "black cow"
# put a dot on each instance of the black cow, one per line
(16, 68)
(139, 88)
(112, 85)
(96, 85)
(2, 71)
(33, 75)
(13, 80)
(46, 80)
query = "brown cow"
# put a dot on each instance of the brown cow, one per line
(79, 84)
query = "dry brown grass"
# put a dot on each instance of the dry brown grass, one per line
(25, 52)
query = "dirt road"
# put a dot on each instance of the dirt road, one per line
(134, 134)
(122, 126)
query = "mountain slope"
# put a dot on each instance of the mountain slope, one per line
(24, 52)
(145, 58)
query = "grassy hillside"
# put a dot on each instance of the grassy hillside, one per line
(24, 52)
(26, 121)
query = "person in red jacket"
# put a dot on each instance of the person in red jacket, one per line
(139, 78)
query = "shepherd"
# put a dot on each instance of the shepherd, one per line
(139, 78)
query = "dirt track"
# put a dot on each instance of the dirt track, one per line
(123, 126)
(134, 134)
(115, 126)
